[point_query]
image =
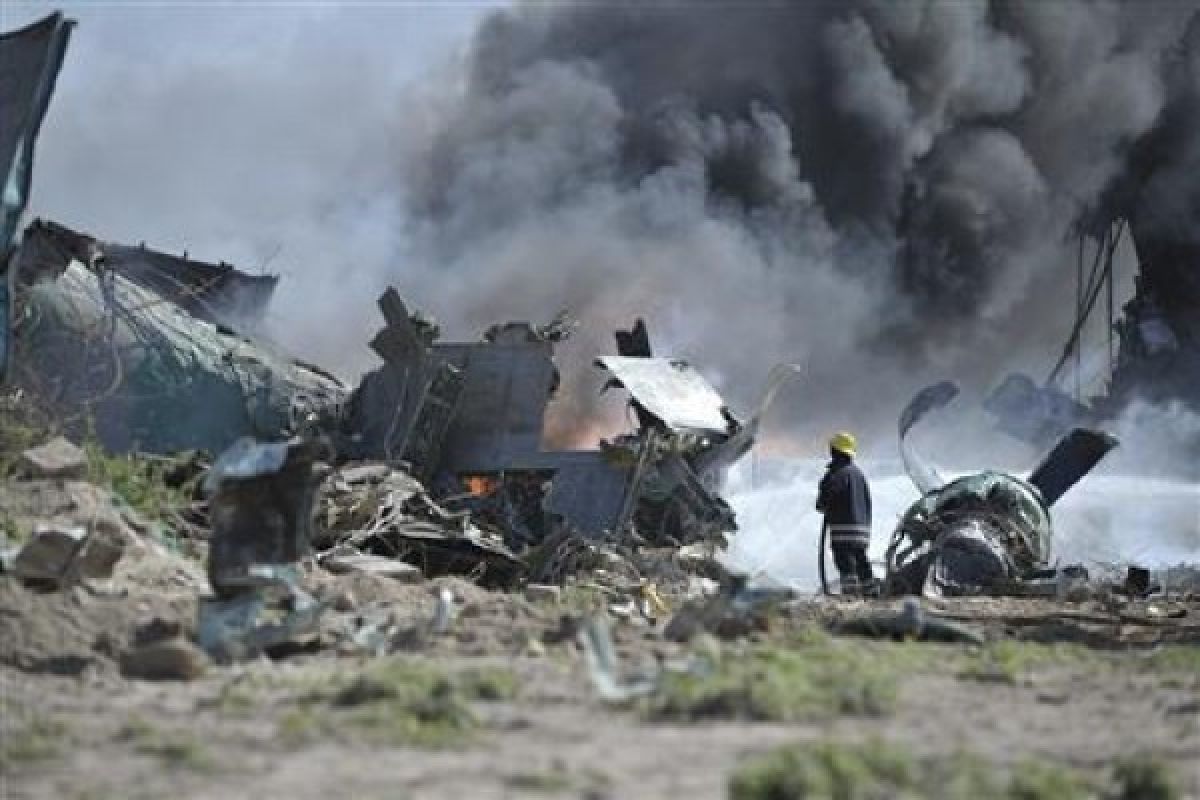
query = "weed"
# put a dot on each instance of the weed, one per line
(174, 748)
(1178, 659)
(552, 780)
(1037, 780)
(40, 739)
(826, 770)
(299, 727)
(1143, 777)
(876, 769)
(820, 679)
(22, 426)
(137, 482)
(237, 698)
(489, 684)
(577, 599)
(395, 701)
(1010, 662)
(11, 531)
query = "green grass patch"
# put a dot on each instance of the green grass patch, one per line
(22, 426)
(39, 739)
(1010, 662)
(551, 781)
(14, 533)
(400, 702)
(139, 483)
(177, 749)
(577, 599)
(878, 770)
(1038, 780)
(811, 677)
(1179, 659)
(1144, 777)
(300, 726)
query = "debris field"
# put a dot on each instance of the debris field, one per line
(228, 573)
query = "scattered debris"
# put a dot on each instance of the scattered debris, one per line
(276, 611)
(343, 559)
(910, 622)
(603, 666)
(444, 613)
(386, 512)
(543, 593)
(260, 509)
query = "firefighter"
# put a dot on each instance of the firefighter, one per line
(845, 500)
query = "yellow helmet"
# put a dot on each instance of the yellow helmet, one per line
(844, 443)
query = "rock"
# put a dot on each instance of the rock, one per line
(174, 659)
(57, 458)
(543, 593)
(60, 555)
(342, 561)
(48, 556)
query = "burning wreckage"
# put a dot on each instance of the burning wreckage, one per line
(141, 346)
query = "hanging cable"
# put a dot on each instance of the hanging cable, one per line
(1102, 265)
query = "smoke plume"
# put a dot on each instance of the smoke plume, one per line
(881, 191)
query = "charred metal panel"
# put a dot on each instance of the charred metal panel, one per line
(506, 386)
(426, 435)
(30, 60)
(261, 509)
(588, 491)
(672, 391)
(29, 63)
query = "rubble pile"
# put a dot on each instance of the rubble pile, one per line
(375, 509)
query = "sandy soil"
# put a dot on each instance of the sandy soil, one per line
(95, 734)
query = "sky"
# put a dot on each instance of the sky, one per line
(255, 133)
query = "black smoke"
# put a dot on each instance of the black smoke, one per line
(883, 191)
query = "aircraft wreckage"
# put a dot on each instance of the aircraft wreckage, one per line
(156, 353)
(988, 532)
(138, 347)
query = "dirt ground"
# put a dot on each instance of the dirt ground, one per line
(78, 729)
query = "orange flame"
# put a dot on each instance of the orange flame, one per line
(481, 485)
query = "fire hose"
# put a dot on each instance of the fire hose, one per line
(821, 556)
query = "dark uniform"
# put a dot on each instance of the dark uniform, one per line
(845, 500)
